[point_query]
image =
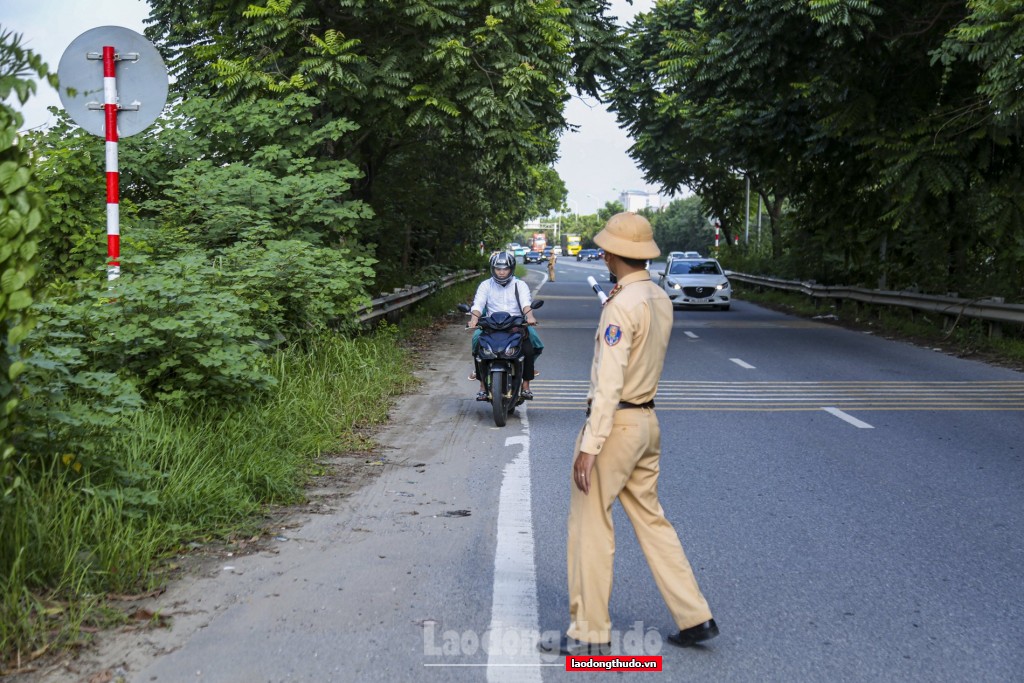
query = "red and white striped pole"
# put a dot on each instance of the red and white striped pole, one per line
(113, 179)
(717, 232)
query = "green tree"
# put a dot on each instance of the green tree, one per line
(683, 226)
(457, 101)
(867, 127)
(22, 216)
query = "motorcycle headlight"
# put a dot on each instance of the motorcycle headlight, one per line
(512, 351)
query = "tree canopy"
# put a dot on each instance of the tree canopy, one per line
(883, 136)
(455, 105)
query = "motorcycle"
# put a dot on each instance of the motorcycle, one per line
(500, 359)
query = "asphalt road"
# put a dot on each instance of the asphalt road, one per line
(851, 507)
(878, 541)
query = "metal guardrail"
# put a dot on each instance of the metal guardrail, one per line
(990, 309)
(409, 295)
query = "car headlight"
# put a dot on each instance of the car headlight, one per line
(674, 285)
(724, 285)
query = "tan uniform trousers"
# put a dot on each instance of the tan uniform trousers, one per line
(627, 469)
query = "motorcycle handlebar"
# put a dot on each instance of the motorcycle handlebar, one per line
(525, 324)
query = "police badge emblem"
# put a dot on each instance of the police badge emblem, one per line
(612, 335)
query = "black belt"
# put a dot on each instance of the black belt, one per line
(626, 404)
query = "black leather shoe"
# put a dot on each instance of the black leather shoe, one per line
(570, 647)
(695, 634)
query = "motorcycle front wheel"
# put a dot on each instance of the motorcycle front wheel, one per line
(498, 397)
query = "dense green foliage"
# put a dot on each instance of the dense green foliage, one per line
(683, 226)
(22, 213)
(457, 104)
(884, 137)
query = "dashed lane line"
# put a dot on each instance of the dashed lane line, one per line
(846, 417)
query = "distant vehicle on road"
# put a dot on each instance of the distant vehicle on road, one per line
(673, 255)
(533, 257)
(546, 254)
(539, 241)
(696, 282)
(587, 255)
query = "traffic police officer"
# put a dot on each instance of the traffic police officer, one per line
(618, 453)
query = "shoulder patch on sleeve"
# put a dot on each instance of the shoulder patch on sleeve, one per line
(612, 335)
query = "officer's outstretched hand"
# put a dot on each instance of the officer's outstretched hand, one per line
(582, 470)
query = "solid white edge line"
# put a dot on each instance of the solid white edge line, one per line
(515, 616)
(742, 364)
(845, 417)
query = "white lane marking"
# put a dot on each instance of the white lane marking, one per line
(845, 417)
(512, 655)
(742, 364)
(691, 335)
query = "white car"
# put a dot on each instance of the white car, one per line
(696, 282)
(673, 255)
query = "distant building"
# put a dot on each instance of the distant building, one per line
(634, 200)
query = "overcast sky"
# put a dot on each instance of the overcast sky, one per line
(594, 163)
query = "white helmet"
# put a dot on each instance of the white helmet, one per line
(503, 259)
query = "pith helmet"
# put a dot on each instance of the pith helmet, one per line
(630, 235)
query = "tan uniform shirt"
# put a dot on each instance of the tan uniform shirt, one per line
(629, 353)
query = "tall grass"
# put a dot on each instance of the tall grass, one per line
(73, 536)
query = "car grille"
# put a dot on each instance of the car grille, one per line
(699, 292)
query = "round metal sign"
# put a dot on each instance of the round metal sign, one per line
(140, 76)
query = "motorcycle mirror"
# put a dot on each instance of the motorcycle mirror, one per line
(463, 307)
(537, 303)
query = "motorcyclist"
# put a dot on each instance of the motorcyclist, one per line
(506, 293)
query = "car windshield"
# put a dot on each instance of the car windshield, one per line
(694, 268)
